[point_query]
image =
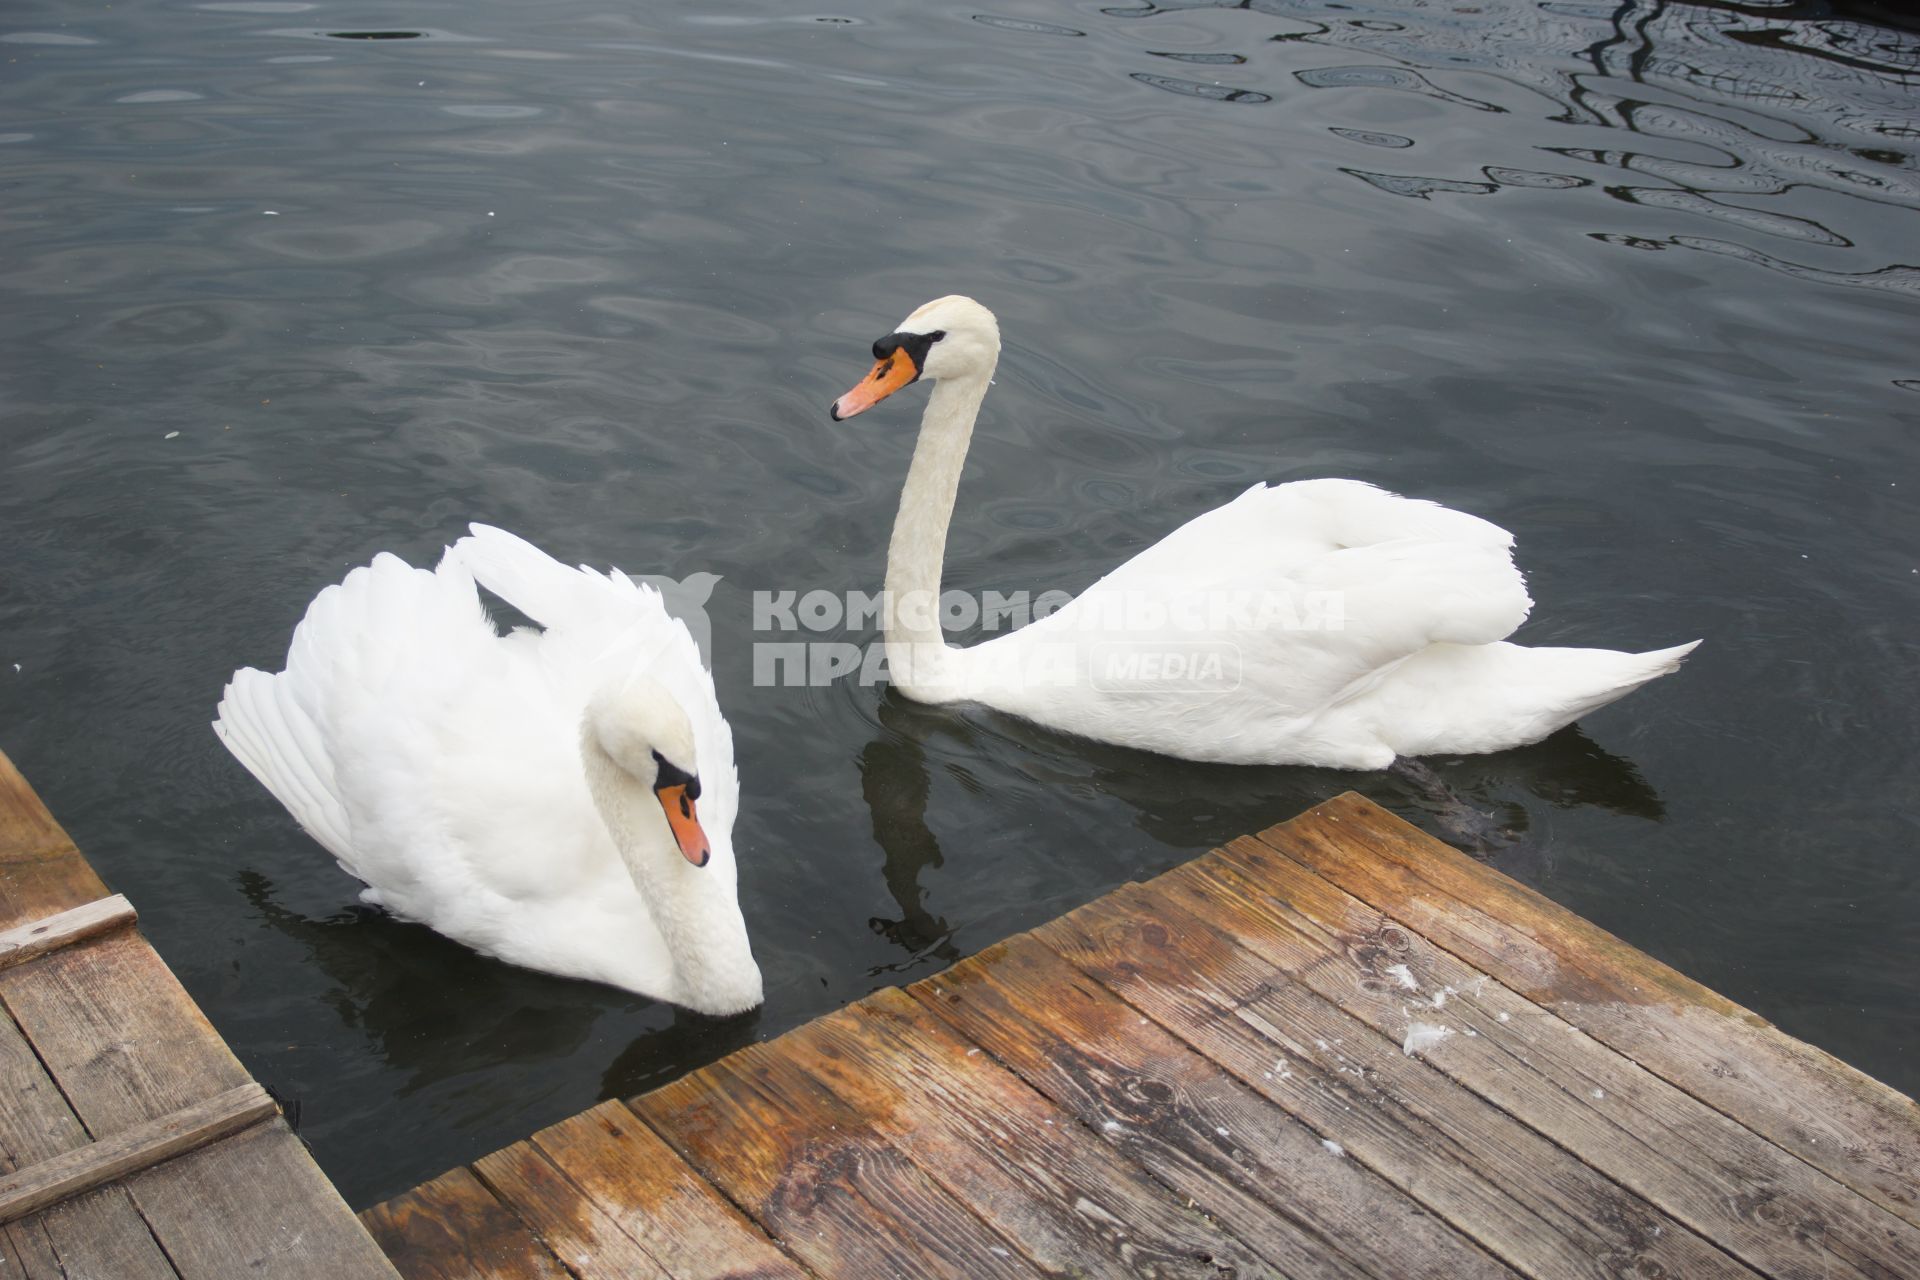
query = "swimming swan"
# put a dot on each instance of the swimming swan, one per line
(1322, 622)
(531, 795)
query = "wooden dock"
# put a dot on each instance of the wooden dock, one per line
(133, 1145)
(1339, 1049)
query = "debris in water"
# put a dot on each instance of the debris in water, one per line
(269, 213)
(1422, 1036)
(170, 435)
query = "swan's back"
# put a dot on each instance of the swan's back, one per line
(397, 695)
(437, 759)
(602, 625)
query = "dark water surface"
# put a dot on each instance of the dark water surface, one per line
(1636, 280)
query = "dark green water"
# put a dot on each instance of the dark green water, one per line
(1637, 281)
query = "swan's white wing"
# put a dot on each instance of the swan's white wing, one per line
(1296, 533)
(600, 626)
(401, 710)
(1339, 580)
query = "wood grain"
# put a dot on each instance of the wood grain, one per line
(818, 1177)
(1845, 1123)
(254, 1204)
(99, 1233)
(453, 1228)
(118, 1033)
(1067, 1200)
(582, 1235)
(648, 1190)
(36, 938)
(40, 870)
(1538, 1208)
(48, 1181)
(1724, 1181)
(1241, 1160)
(1208, 1075)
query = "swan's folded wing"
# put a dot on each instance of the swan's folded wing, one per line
(598, 624)
(551, 593)
(1320, 587)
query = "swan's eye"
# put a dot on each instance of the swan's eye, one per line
(668, 774)
(914, 345)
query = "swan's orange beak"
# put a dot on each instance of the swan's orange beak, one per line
(685, 824)
(891, 372)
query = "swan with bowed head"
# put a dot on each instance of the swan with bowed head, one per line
(560, 798)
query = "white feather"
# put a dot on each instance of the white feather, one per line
(441, 763)
(1417, 662)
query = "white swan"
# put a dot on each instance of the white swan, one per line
(1322, 622)
(529, 795)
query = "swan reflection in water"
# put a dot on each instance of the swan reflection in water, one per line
(1488, 806)
(376, 967)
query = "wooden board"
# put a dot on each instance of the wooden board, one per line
(106, 1066)
(1213, 1074)
(1215, 1142)
(1532, 1204)
(81, 1169)
(624, 1169)
(1724, 1181)
(99, 1233)
(1835, 1118)
(454, 1229)
(40, 870)
(818, 1175)
(1040, 1179)
(36, 938)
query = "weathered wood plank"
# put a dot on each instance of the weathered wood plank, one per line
(35, 1121)
(98, 1234)
(130, 1150)
(1065, 1199)
(26, 1251)
(1529, 1202)
(84, 1239)
(102, 1234)
(454, 1229)
(255, 1204)
(40, 870)
(582, 1235)
(816, 1176)
(1835, 1118)
(1240, 1159)
(651, 1194)
(35, 938)
(112, 1024)
(1728, 1184)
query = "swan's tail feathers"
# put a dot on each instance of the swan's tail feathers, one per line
(1474, 698)
(1592, 678)
(262, 724)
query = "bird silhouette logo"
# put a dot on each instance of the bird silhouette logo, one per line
(686, 599)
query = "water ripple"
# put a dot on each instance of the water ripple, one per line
(1194, 89)
(594, 272)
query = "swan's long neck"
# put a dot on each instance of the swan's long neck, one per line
(694, 908)
(918, 658)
